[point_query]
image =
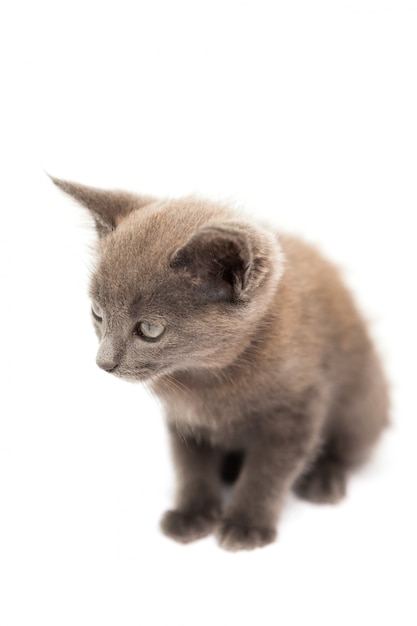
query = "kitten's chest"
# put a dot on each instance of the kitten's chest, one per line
(211, 416)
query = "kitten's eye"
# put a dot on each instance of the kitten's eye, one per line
(146, 330)
(97, 311)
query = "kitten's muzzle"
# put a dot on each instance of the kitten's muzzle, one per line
(107, 357)
(107, 367)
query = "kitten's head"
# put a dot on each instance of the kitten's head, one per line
(178, 285)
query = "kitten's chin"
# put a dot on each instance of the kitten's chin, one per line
(139, 376)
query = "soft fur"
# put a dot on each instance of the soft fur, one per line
(265, 369)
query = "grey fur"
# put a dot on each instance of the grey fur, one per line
(263, 354)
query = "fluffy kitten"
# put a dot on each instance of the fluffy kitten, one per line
(254, 346)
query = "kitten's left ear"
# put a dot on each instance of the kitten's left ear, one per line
(107, 208)
(216, 260)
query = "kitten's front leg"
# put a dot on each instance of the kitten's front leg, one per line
(198, 499)
(272, 463)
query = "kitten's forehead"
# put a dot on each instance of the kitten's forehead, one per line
(133, 261)
(127, 266)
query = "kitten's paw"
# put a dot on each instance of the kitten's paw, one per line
(325, 483)
(239, 536)
(187, 527)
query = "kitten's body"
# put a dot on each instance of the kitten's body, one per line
(263, 354)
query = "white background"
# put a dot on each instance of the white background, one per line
(302, 112)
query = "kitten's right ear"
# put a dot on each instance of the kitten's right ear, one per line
(107, 208)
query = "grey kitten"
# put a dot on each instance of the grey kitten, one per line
(263, 364)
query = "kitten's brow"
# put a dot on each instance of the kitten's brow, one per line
(135, 305)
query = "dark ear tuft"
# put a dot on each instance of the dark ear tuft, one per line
(107, 208)
(217, 260)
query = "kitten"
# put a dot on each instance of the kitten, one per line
(263, 364)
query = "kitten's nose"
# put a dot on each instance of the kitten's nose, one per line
(107, 367)
(106, 356)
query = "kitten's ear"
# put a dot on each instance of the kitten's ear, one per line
(107, 208)
(216, 260)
